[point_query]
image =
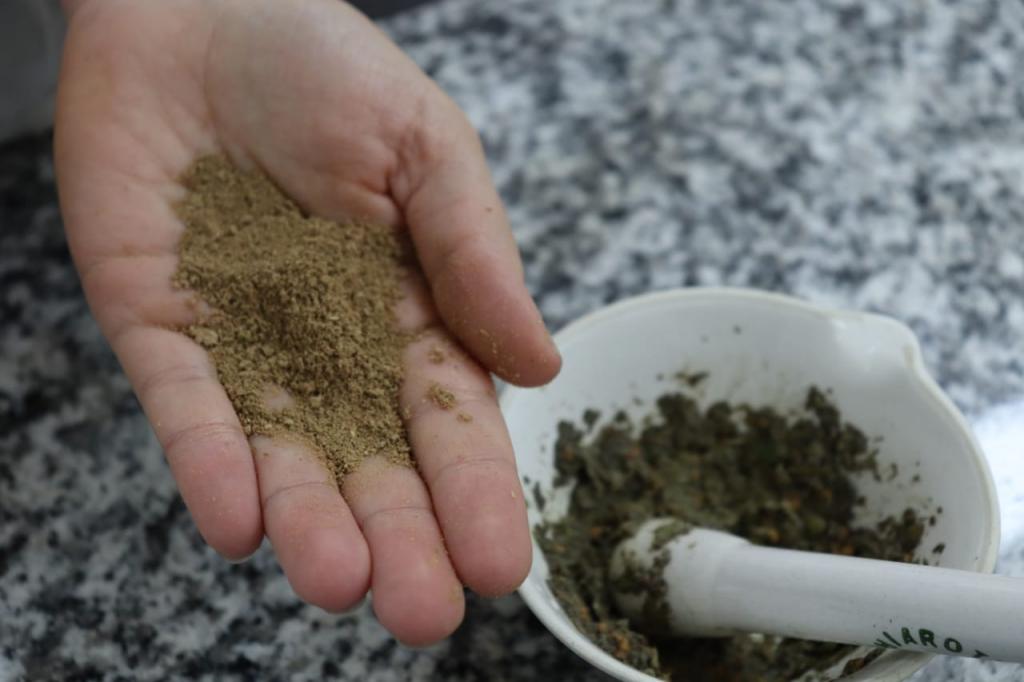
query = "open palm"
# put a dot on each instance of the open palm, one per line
(314, 95)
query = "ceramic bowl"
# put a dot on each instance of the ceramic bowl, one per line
(764, 349)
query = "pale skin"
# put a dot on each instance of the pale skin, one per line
(310, 92)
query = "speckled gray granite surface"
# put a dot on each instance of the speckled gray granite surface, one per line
(860, 153)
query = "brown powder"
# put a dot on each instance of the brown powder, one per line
(435, 355)
(300, 303)
(441, 397)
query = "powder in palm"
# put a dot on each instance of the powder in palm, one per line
(300, 303)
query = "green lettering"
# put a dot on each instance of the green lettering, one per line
(927, 637)
(908, 638)
(953, 645)
(891, 639)
(883, 644)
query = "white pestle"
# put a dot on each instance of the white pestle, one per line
(720, 585)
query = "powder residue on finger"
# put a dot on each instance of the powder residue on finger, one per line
(441, 396)
(436, 355)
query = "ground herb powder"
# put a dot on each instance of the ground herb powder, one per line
(301, 304)
(776, 480)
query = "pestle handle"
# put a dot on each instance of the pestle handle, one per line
(719, 585)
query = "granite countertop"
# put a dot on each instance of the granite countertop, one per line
(860, 153)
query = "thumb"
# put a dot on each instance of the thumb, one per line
(462, 238)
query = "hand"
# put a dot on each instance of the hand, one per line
(312, 93)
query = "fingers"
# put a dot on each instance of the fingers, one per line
(465, 456)
(382, 534)
(314, 535)
(464, 244)
(201, 436)
(416, 594)
(473, 485)
(463, 452)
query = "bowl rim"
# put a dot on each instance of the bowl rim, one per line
(902, 664)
